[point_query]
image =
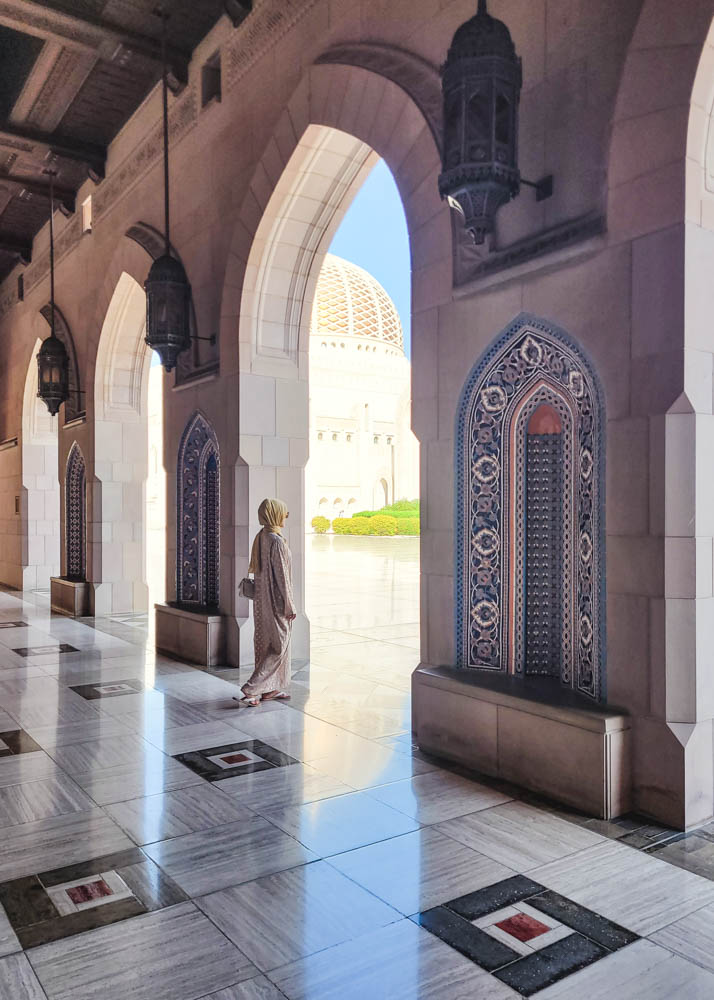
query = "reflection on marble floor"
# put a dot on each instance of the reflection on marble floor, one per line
(162, 843)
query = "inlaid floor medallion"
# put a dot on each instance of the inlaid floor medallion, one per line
(524, 934)
(234, 759)
(56, 904)
(113, 690)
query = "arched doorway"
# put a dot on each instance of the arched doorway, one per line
(275, 258)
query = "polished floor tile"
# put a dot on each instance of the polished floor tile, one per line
(16, 770)
(292, 914)
(193, 737)
(18, 980)
(438, 796)
(175, 814)
(374, 766)
(642, 971)
(89, 730)
(399, 962)
(627, 886)
(518, 835)
(8, 939)
(227, 855)
(419, 870)
(692, 937)
(172, 954)
(332, 826)
(136, 780)
(259, 988)
(282, 786)
(60, 840)
(42, 799)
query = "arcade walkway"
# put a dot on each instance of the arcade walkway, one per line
(161, 843)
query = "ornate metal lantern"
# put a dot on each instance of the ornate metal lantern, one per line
(481, 82)
(53, 373)
(52, 357)
(168, 297)
(168, 293)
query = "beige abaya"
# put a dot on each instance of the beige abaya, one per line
(273, 605)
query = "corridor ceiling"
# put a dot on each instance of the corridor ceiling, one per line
(71, 73)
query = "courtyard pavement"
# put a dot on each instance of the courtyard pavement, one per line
(162, 843)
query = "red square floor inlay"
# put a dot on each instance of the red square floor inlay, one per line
(235, 758)
(91, 890)
(523, 927)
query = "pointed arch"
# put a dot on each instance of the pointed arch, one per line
(75, 515)
(198, 515)
(530, 510)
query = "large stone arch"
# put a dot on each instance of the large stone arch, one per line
(338, 120)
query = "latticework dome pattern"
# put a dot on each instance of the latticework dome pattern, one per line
(349, 302)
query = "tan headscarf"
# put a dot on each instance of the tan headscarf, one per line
(271, 514)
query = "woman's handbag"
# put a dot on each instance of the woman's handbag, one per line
(246, 588)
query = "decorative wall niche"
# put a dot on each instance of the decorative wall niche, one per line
(75, 514)
(530, 518)
(198, 520)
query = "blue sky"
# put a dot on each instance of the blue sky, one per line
(374, 235)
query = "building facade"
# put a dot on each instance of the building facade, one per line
(607, 281)
(363, 454)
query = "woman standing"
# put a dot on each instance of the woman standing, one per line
(273, 607)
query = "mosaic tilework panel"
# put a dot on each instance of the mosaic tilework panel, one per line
(56, 904)
(75, 498)
(198, 520)
(524, 934)
(62, 647)
(113, 690)
(234, 759)
(15, 742)
(531, 365)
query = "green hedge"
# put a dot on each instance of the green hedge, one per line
(350, 526)
(382, 525)
(408, 526)
(377, 525)
(400, 509)
(320, 524)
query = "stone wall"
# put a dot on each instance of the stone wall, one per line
(619, 257)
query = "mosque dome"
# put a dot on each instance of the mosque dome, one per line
(349, 302)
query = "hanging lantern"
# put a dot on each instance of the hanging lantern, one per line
(481, 82)
(168, 293)
(52, 357)
(53, 373)
(168, 297)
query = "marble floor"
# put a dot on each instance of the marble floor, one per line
(162, 843)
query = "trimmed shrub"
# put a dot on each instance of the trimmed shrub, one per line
(380, 524)
(320, 525)
(365, 513)
(408, 526)
(351, 526)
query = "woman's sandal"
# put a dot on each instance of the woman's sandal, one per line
(276, 696)
(250, 702)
